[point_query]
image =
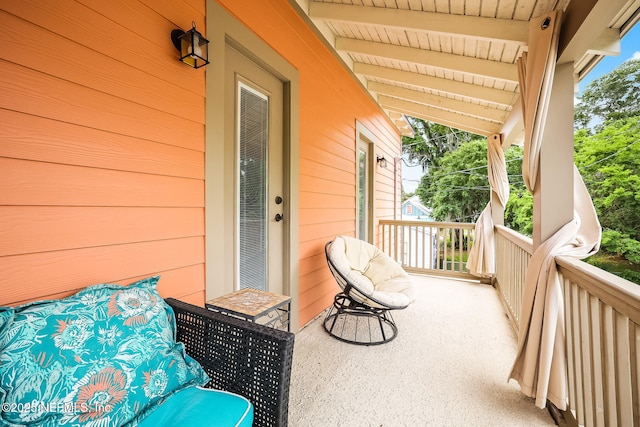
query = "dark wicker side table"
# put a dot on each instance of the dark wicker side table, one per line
(257, 306)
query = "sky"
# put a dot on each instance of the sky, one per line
(630, 48)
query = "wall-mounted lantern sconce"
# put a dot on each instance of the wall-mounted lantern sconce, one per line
(382, 162)
(193, 48)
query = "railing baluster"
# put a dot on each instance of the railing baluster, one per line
(383, 240)
(597, 360)
(438, 242)
(609, 372)
(445, 238)
(422, 259)
(512, 259)
(395, 242)
(423, 247)
(412, 242)
(445, 256)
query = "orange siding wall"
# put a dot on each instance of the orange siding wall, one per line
(330, 103)
(101, 148)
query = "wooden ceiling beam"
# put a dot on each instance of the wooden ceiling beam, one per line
(463, 64)
(475, 27)
(582, 28)
(448, 118)
(466, 90)
(443, 103)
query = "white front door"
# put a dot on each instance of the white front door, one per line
(255, 148)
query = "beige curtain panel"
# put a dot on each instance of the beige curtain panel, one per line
(481, 260)
(540, 365)
(536, 71)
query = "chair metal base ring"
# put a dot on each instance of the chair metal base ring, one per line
(356, 323)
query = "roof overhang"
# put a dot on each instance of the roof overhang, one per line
(455, 63)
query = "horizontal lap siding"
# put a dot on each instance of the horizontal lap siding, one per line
(46, 228)
(330, 103)
(101, 148)
(25, 136)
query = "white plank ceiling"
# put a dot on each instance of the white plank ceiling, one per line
(454, 61)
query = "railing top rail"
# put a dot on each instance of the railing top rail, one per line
(621, 294)
(436, 224)
(523, 242)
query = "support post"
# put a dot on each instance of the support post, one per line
(553, 197)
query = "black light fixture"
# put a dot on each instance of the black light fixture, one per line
(382, 162)
(193, 48)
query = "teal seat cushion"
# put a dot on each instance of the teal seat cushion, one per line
(98, 358)
(196, 406)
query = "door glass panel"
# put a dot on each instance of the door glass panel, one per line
(252, 189)
(362, 195)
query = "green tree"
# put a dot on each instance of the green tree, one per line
(519, 210)
(609, 162)
(457, 188)
(406, 196)
(430, 142)
(622, 245)
(613, 96)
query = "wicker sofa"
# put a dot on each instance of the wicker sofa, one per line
(246, 358)
(114, 356)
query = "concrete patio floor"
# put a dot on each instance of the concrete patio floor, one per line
(448, 366)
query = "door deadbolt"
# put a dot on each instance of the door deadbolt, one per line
(278, 200)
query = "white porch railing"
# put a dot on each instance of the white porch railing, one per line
(428, 247)
(602, 324)
(513, 251)
(602, 311)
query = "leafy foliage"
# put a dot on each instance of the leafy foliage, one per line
(455, 183)
(609, 162)
(406, 195)
(614, 96)
(622, 245)
(616, 265)
(431, 141)
(457, 188)
(519, 210)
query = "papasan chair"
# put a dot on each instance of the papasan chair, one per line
(372, 285)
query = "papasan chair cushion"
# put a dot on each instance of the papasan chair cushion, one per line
(372, 285)
(380, 280)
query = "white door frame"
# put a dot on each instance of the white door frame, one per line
(367, 140)
(222, 30)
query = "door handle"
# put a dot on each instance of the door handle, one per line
(279, 217)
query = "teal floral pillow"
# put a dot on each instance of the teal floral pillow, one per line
(102, 357)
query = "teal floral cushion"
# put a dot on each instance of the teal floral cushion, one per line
(105, 356)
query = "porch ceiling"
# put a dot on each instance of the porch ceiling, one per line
(454, 61)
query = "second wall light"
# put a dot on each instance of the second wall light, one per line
(382, 162)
